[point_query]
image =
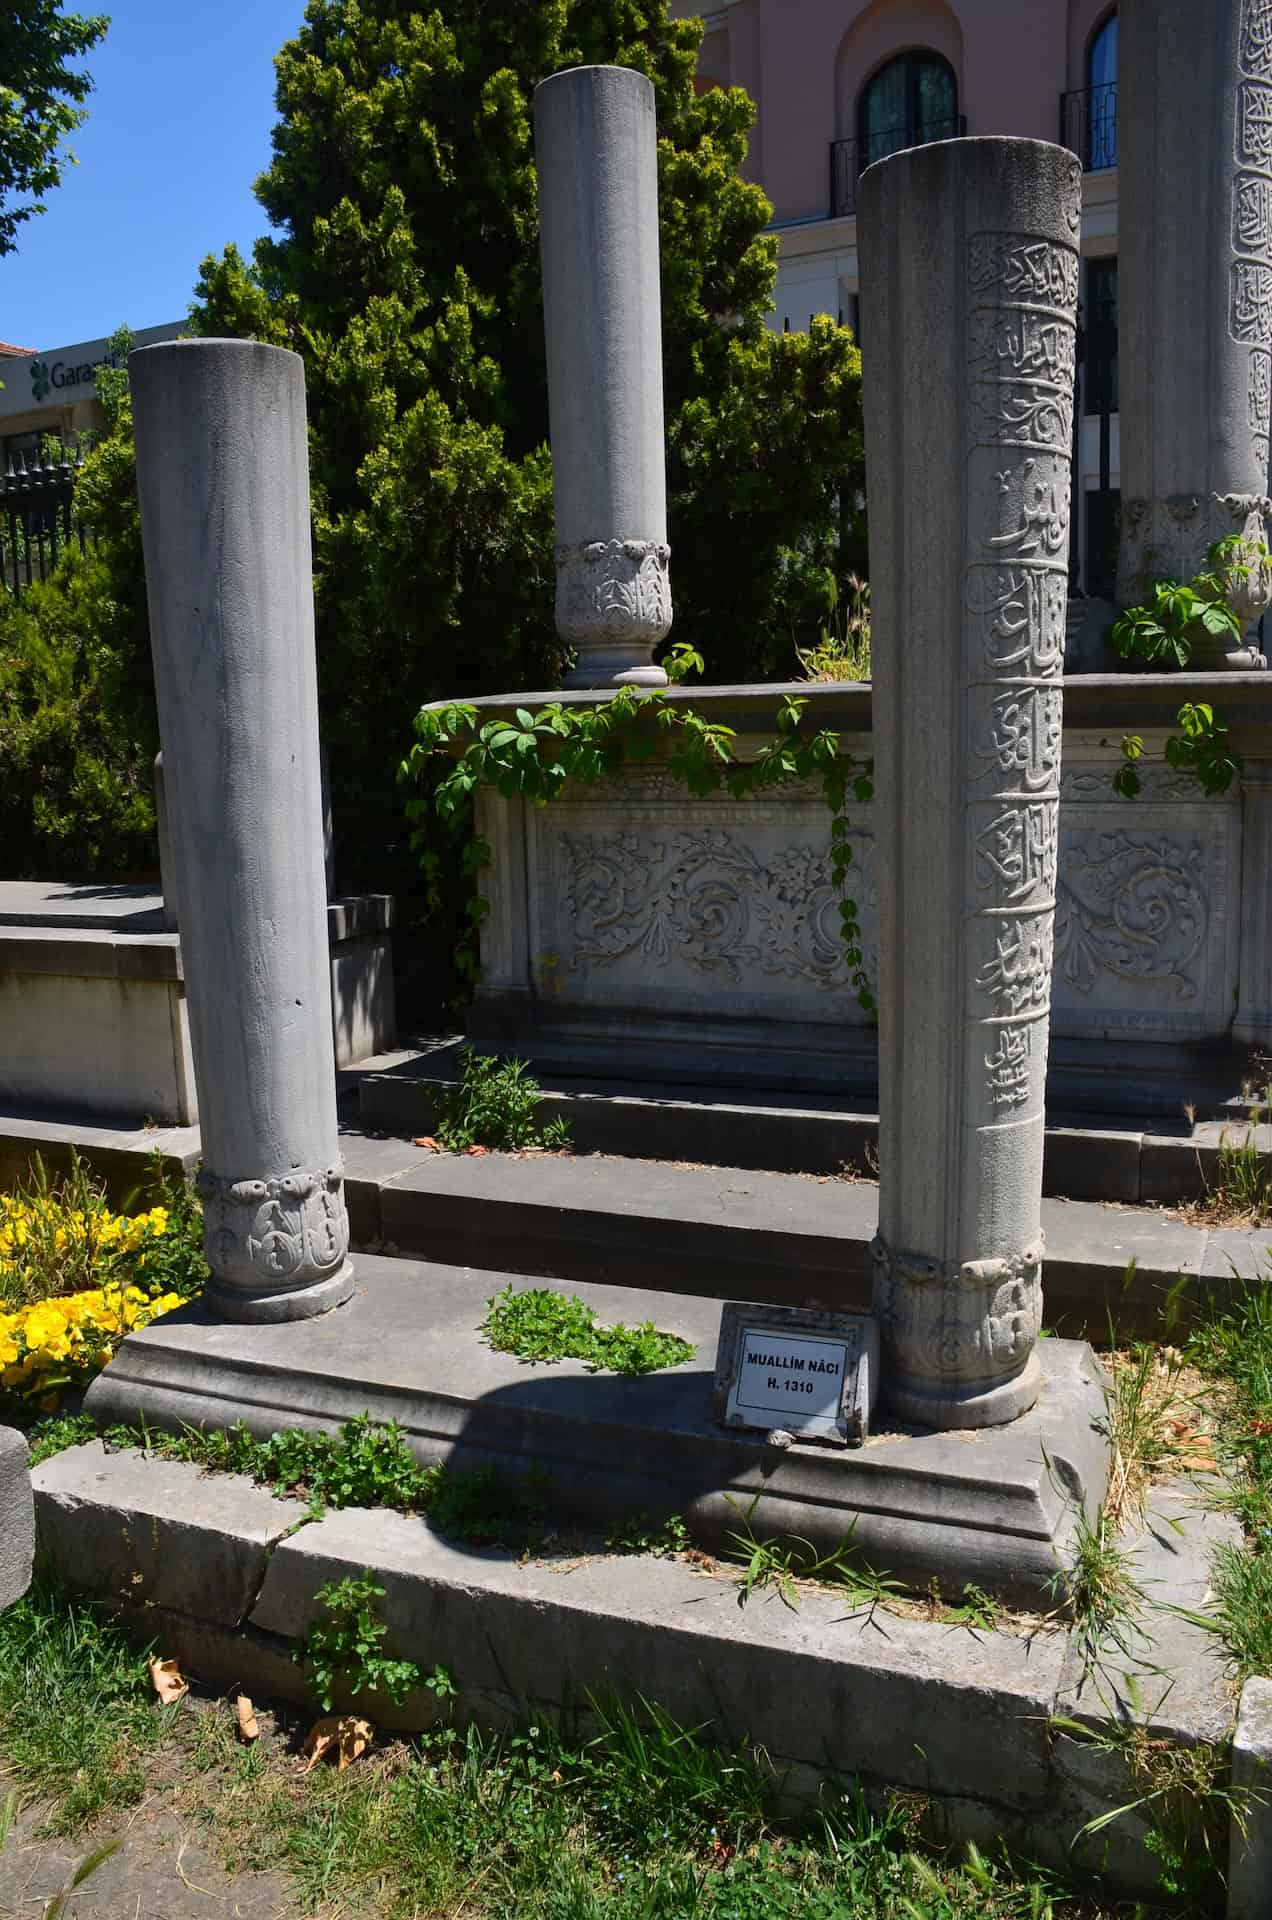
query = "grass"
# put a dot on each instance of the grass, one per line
(644, 1820)
(78, 1721)
(1234, 1352)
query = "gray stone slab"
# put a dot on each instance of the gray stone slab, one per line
(1173, 1678)
(61, 903)
(157, 1532)
(710, 1230)
(17, 1518)
(90, 952)
(118, 1155)
(914, 1705)
(1250, 1860)
(1117, 1262)
(1091, 1163)
(994, 1508)
(1175, 1170)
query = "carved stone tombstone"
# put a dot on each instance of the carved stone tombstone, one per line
(223, 478)
(969, 273)
(597, 159)
(1195, 297)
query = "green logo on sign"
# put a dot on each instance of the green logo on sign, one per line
(39, 379)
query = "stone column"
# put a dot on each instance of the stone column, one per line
(969, 276)
(1195, 295)
(596, 152)
(1252, 1026)
(223, 476)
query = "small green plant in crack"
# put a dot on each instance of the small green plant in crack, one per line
(642, 1533)
(538, 1325)
(1099, 1590)
(344, 1649)
(495, 1103)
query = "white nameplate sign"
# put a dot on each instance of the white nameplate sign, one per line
(797, 1371)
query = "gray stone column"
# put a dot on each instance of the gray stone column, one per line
(969, 276)
(597, 158)
(223, 476)
(1252, 1026)
(1195, 294)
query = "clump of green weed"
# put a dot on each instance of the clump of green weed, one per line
(57, 1432)
(495, 1103)
(642, 1533)
(538, 1324)
(344, 1649)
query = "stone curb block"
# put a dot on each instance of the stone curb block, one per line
(17, 1518)
(158, 1532)
(1250, 1858)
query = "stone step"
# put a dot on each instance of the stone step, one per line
(1136, 1163)
(226, 1579)
(748, 1233)
(751, 1235)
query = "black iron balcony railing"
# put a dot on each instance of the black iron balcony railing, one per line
(850, 158)
(1088, 126)
(37, 522)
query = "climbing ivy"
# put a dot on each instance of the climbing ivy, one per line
(532, 753)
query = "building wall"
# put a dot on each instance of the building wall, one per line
(54, 391)
(805, 64)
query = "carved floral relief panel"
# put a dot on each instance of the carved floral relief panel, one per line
(639, 896)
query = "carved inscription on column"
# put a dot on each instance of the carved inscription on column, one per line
(1022, 294)
(1250, 301)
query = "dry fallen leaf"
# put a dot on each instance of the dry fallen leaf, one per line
(426, 1140)
(349, 1735)
(166, 1679)
(477, 1151)
(248, 1725)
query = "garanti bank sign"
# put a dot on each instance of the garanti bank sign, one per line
(60, 377)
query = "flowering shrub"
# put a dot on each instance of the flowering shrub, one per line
(76, 1276)
(63, 1342)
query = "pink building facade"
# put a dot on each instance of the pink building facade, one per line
(840, 83)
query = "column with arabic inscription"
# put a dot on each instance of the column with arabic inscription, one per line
(1195, 301)
(969, 274)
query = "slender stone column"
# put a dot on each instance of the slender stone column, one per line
(596, 153)
(969, 276)
(1252, 1026)
(223, 476)
(1195, 295)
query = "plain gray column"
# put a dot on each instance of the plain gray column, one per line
(969, 275)
(223, 476)
(596, 150)
(1195, 295)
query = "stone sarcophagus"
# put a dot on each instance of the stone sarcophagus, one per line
(639, 934)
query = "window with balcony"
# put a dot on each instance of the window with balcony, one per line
(1088, 118)
(907, 103)
(912, 100)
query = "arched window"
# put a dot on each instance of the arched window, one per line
(912, 100)
(1102, 97)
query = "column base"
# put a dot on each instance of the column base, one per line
(601, 676)
(269, 1309)
(931, 1406)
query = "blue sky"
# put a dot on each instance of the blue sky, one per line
(178, 130)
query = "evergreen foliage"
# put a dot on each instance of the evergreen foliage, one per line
(78, 731)
(404, 268)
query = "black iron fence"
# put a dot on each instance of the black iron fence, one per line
(850, 158)
(37, 519)
(1088, 126)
